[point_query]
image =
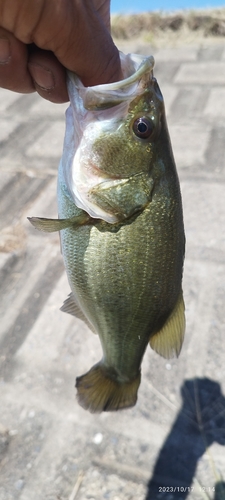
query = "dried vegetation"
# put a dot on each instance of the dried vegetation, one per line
(208, 23)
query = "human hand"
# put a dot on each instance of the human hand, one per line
(39, 39)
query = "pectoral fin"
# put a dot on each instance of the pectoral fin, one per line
(70, 306)
(168, 341)
(51, 225)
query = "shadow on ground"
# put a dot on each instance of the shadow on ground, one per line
(200, 423)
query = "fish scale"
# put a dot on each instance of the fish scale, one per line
(121, 228)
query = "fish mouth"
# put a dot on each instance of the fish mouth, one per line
(111, 94)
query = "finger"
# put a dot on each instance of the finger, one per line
(14, 74)
(48, 75)
(80, 40)
(87, 48)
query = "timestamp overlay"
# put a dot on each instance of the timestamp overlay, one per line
(186, 489)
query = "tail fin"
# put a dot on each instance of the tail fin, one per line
(98, 390)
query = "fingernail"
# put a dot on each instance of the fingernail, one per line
(4, 50)
(42, 77)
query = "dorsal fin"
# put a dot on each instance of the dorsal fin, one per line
(168, 341)
(70, 306)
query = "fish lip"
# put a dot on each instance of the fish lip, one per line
(105, 96)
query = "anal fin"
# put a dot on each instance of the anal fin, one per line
(168, 341)
(70, 306)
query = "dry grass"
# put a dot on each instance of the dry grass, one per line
(208, 23)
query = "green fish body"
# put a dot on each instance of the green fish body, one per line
(121, 229)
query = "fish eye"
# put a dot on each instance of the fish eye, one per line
(143, 127)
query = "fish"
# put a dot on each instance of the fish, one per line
(121, 229)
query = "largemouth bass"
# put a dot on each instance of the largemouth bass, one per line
(121, 229)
